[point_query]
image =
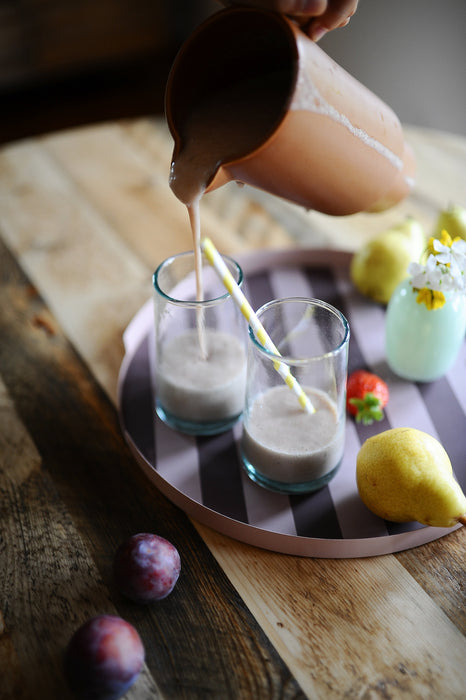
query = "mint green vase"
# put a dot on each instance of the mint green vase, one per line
(422, 344)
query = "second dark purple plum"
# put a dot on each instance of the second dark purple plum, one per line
(103, 658)
(146, 567)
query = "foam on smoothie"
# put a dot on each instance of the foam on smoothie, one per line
(285, 444)
(195, 390)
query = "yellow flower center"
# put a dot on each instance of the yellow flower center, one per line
(431, 298)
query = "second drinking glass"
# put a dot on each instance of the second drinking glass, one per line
(284, 448)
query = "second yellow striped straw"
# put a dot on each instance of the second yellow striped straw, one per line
(282, 368)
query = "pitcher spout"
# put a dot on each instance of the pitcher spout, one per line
(222, 177)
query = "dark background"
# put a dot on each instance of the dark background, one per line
(64, 63)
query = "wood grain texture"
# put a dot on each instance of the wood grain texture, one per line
(369, 617)
(85, 217)
(63, 515)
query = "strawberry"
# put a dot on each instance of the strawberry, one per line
(366, 396)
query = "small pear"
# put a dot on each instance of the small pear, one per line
(452, 220)
(404, 474)
(382, 263)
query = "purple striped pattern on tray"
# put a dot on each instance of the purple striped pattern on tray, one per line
(204, 475)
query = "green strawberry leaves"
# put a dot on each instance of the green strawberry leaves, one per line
(369, 409)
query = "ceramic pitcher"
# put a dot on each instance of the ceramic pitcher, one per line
(330, 144)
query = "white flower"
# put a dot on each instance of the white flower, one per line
(445, 268)
(418, 275)
(429, 275)
(453, 256)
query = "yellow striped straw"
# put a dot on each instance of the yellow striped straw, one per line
(215, 259)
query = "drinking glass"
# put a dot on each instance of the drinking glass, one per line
(285, 448)
(200, 361)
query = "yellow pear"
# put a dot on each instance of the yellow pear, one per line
(404, 474)
(452, 220)
(382, 263)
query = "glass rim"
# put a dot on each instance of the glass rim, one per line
(289, 359)
(194, 303)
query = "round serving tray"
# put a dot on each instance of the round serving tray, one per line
(203, 475)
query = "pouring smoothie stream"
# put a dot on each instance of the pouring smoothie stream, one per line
(214, 132)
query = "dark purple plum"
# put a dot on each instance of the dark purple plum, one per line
(146, 567)
(103, 658)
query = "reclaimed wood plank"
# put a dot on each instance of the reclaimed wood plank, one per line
(48, 581)
(349, 628)
(85, 272)
(230, 215)
(439, 568)
(67, 511)
(124, 171)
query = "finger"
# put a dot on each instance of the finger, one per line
(344, 23)
(337, 14)
(307, 8)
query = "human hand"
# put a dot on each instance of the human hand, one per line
(315, 17)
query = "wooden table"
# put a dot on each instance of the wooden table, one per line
(85, 216)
